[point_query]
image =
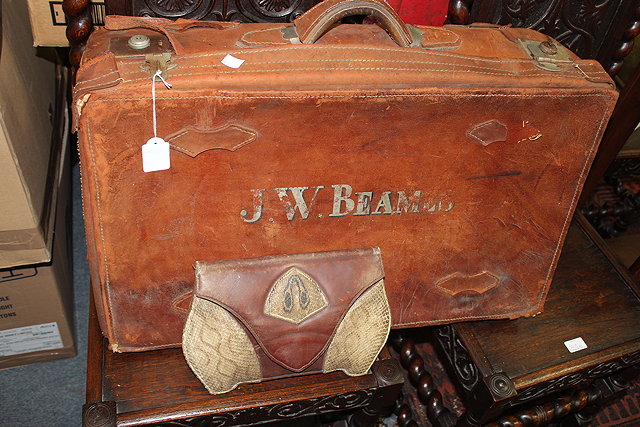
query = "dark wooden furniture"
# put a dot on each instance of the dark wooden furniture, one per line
(213, 10)
(611, 220)
(522, 368)
(157, 387)
(602, 30)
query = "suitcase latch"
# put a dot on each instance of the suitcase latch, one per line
(547, 54)
(158, 61)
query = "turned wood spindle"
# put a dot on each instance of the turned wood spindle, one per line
(437, 413)
(459, 12)
(551, 411)
(626, 45)
(79, 26)
(403, 414)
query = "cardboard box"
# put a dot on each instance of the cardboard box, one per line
(27, 171)
(36, 302)
(49, 24)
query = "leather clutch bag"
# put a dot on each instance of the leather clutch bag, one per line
(279, 316)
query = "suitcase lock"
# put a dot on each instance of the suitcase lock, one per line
(158, 61)
(155, 48)
(547, 54)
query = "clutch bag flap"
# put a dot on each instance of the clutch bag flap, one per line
(270, 317)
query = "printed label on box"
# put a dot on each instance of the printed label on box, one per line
(30, 338)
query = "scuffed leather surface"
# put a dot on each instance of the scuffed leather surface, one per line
(342, 111)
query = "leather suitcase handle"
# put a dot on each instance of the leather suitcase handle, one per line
(319, 19)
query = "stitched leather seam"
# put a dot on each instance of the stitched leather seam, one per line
(570, 73)
(403, 95)
(295, 61)
(315, 20)
(425, 44)
(178, 300)
(480, 126)
(439, 286)
(281, 49)
(106, 290)
(186, 150)
(574, 70)
(176, 136)
(362, 69)
(95, 78)
(574, 200)
(224, 67)
(252, 137)
(243, 143)
(275, 29)
(362, 48)
(453, 319)
(501, 71)
(96, 60)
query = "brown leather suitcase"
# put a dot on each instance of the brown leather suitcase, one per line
(459, 151)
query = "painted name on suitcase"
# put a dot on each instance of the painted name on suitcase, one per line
(363, 203)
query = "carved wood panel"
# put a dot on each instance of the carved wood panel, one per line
(283, 411)
(453, 348)
(597, 29)
(214, 10)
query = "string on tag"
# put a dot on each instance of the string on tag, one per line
(156, 155)
(153, 97)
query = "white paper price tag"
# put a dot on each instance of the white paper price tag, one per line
(232, 61)
(156, 155)
(575, 344)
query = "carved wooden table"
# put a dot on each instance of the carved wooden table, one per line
(157, 387)
(522, 367)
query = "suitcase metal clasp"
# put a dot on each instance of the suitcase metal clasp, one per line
(158, 61)
(547, 54)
